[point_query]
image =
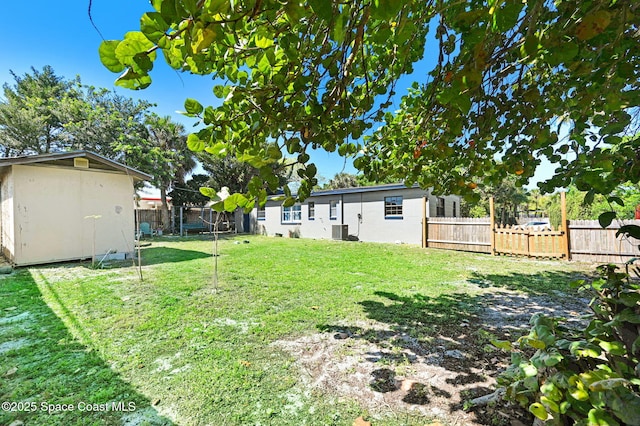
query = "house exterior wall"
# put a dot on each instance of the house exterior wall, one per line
(7, 235)
(451, 206)
(363, 213)
(51, 205)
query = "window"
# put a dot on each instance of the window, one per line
(312, 210)
(393, 207)
(333, 210)
(440, 207)
(262, 213)
(454, 209)
(292, 214)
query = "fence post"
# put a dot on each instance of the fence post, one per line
(425, 200)
(181, 222)
(565, 226)
(492, 226)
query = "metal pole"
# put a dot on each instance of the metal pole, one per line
(173, 219)
(565, 226)
(492, 226)
(424, 221)
(181, 221)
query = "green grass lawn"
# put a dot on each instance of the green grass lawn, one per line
(178, 350)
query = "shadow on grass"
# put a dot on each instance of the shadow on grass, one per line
(42, 364)
(445, 340)
(159, 255)
(541, 283)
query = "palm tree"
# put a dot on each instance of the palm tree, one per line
(343, 180)
(169, 157)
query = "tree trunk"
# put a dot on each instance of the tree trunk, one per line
(166, 220)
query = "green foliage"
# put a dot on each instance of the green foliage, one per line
(363, 181)
(577, 206)
(582, 206)
(33, 113)
(477, 211)
(509, 200)
(591, 376)
(188, 193)
(161, 152)
(343, 180)
(43, 112)
(510, 78)
(515, 83)
(291, 76)
(240, 177)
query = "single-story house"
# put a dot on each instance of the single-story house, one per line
(383, 213)
(147, 202)
(66, 206)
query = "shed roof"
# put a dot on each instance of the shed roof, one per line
(66, 159)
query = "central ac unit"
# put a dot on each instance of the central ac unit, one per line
(340, 232)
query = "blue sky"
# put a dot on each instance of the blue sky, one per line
(60, 34)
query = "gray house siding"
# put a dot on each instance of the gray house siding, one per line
(362, 210)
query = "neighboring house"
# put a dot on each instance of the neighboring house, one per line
(66, 206)
(385, 213)
(152, 203)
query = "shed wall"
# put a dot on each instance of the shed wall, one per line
(51, 209)
(7, 234)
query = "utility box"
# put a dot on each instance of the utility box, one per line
(339, 232)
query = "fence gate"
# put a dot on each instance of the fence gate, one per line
(534, 243)
(524, 242)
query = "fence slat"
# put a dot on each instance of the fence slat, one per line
(456, 233)
(587, 240)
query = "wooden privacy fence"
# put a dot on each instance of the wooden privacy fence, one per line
(588, 241)
(458, 233)
(152, 217)
(186, 219)
(482, 235)
(468, 234)
(582, 240)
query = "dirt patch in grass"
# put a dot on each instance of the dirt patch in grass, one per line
(395, 367)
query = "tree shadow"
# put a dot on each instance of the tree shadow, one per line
(150, 256)
(540, 283)
(445, 341)
(43, 364)
(159, 255)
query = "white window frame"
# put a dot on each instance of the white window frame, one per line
(440, 207)
(311, 210)
(393, 207)
(261, 213)
(291, 214)
(333, 209)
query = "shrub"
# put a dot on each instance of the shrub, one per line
(582, 377)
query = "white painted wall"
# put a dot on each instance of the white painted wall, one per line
(7, 234)
(371, 225)
(50, 209)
